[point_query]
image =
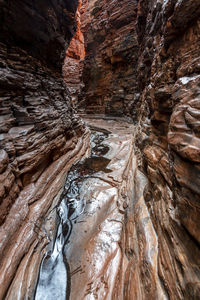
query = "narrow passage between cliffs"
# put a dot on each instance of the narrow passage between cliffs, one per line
(90, 217)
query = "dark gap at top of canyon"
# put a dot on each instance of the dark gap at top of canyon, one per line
(66, 65)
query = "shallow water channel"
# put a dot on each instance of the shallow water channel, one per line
(54, 276)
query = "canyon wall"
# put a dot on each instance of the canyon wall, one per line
(141, 60)
(168, 140)
(38, 127)
(109, 72)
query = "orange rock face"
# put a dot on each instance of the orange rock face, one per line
(76, 47)
(73, 64)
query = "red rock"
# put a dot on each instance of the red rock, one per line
(141, 60)
(73, 64)
(109, 73)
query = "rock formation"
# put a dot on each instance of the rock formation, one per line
(165, 51)
(40, 135)
(139, 236)
(168, 137)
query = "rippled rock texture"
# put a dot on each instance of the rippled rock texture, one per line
(109, 72)
(40, 136)
(95, 252)
(169, 138)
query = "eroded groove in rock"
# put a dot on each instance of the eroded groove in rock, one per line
(54, 279)
(96, 251)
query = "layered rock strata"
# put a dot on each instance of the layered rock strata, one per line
(40, 135)
(139, 239)
(166, 111)
(168, 138)
(109, 72)
(113, 250)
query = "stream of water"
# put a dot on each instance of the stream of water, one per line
(54, 276)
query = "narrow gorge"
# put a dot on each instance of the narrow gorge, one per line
(100, 149)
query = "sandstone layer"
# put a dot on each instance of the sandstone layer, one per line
(40, 135)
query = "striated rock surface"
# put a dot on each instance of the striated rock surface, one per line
(166, 111)
(113, 249)
(168, 138)
(40, 137)
(109, 72)
(95, 252)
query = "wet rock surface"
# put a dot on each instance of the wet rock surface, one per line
(93, 252)
(113, 248)
(101, 217)
(23, 236)
(54, 276)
